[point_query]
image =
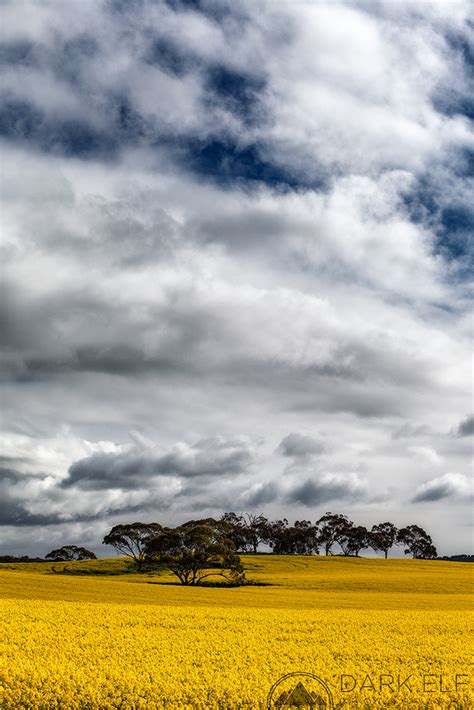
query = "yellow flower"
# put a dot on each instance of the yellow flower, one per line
(362, 626)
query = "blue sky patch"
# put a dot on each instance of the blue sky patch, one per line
(226, 163)
(22, 122)
(236, 92)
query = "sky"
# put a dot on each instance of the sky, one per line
(236, 265)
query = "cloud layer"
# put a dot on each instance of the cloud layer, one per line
(236, 262)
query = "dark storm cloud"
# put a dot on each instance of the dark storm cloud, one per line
(185, 352)
(261, 495)
(334, 386)
(466, 427)
(32, 500)
(229, 494)
(168, 55)
(14, 507)
(187, 334)
(210, 457)
(300, 445)
(449, 486)
(116, 360)
(18, 53)
(218, 10)
(16, 514)
(31, 353)
(323, 488)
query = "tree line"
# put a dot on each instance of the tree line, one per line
(198, 548)
(248, 531)
(208, 547)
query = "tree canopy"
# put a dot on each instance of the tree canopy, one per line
(132, 539)
(418, 543)
(195, 551)
(68, 553)
(383, 537)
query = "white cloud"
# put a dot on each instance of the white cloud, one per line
(449, 486)
(426, 455)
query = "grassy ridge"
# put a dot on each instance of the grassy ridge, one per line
(295, 582)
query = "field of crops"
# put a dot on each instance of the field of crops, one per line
(378, 633)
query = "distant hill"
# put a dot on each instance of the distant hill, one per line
(458, 558)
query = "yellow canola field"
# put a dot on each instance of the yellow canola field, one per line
(128, 642)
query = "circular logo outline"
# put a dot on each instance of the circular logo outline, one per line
(306, 675)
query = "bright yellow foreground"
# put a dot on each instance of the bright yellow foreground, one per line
(128, 642)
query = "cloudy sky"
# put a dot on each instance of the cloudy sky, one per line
(235, 264)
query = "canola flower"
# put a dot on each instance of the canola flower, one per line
(95, 643)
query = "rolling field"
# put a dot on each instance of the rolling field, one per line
(379, 633)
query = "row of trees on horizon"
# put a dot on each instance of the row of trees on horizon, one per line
(208, 547)
(205, 548)
(248, 532)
